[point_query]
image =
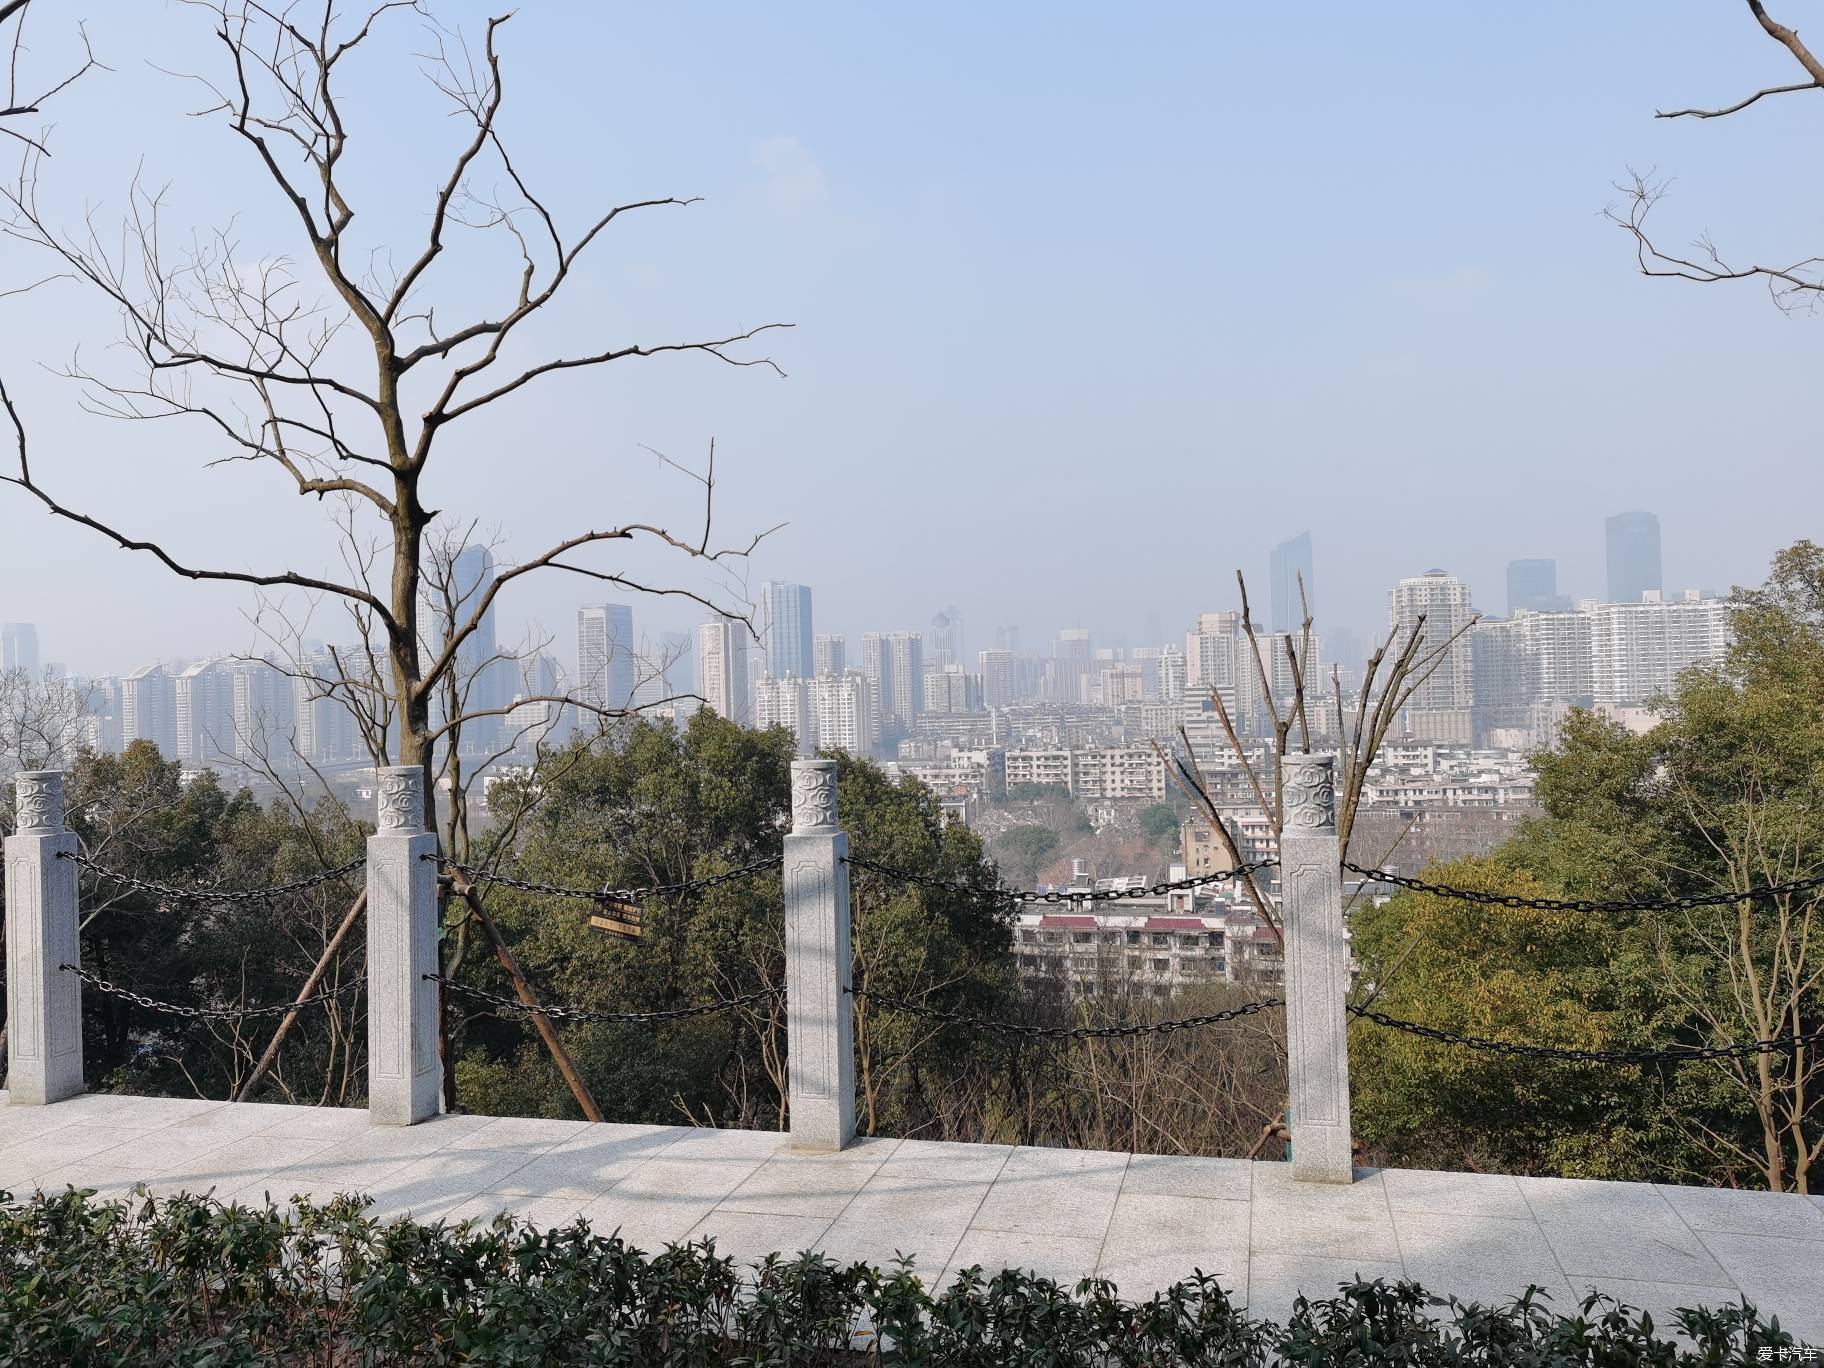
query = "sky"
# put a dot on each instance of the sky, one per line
(1091, 305)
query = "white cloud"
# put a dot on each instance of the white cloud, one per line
(792, 184)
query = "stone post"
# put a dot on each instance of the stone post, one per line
(404, 1078)
(820, 1021)
(1317, 973)
(43, 1002)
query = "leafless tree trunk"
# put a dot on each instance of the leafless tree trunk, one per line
(345, 394)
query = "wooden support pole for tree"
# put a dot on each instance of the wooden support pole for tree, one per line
(290, 1018)
(548, 1033)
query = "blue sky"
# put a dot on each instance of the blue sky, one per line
(1093, 304)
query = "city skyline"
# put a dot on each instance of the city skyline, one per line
(1024, 407)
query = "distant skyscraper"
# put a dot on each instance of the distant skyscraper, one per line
(1638, 649)
(785, 629)
(997, 678)
(19, 647)
(1075, 659)
(785, 701)
(606, 673)
(1532, 586)
(840, 712)
(829, 654)
(1634, 564)
(148, 709)
(1440, 708)
(203, 723)
(722, 668)
(944, 644)
(1291, 559)
(894, 665)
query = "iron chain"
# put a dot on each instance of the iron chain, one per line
(212, 895)
(1014, 1028)
(572, 1013)
(1669, 1054)
(1587, 904)
(206, 1013)
(1001, 892)
(605, 894)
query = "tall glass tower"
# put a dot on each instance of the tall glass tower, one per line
(1634, 565)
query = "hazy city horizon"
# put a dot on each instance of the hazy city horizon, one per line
(1491, 381)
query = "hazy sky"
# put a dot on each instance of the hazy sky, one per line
(1093, 305)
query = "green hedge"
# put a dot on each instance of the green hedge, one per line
(187, 1280)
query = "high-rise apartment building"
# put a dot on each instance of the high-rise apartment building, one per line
(606, 667)
(148, 709)
(326, 730)
(840, 712)
(785, 630)
(1074, 664)
(894, 665)
(1638, 649)
(203, 712)
(786, 701)
(1528, 671)
(265, 712)
(661, 669)
(722, 668)
(1633, 555)
(1171, 673)
(829, 653)
(950, 689)
(997, 677)
(1441, 707)
(1291, 560)
(944, 642)
(1532, 587)
(19, 648)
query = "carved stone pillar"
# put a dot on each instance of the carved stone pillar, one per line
(1317, 973)
(43, 1001)
(405, 1080)
(820, 1022)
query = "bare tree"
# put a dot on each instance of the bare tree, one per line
(1380, 702)
(341, 376)
(40, 720)
(1794, 285)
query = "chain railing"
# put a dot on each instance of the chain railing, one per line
(480, 876)
(203, 894)
(566, 1012)
(153, 1004)
(1589, 904)
(1665, 1055)
(1003, 893)
(1029, 1032)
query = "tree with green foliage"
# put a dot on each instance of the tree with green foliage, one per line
(1024, 849)
(1160, 823)
(1724, 796)
(654, 804)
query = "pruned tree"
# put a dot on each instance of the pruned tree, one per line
(338, 369)
(1393, 674)
(41, 720)
(1795, 285)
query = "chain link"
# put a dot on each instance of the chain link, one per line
(1000, 892)
(1587, 904)
(571, 1013)
(207, 1013)
(1669, 1054)
(1014, 1028)
(211, 895)
(600, 895)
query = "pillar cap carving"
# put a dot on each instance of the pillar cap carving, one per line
(1310, 795)
(401, 800)
(38, 800)
(813, 796)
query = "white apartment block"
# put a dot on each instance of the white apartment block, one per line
(1096, 772)
(997, 678)
(722, 667)
(786, 701)
(840, 709)
(1638, 649)
(148, 709)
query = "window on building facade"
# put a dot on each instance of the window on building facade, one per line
(1161, 965)
(1161, 938)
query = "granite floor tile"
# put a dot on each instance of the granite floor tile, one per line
(1746, 1213)
(1182, 1176)
(1155, 1240)
(1325, 1220)
(1062, 1258)
(1633, 1244)
(588, 1165)
(1455, 1194)
(647, 1221)
(750, 1236)
(797, 1186)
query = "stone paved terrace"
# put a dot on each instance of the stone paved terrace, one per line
(1142, 1221)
